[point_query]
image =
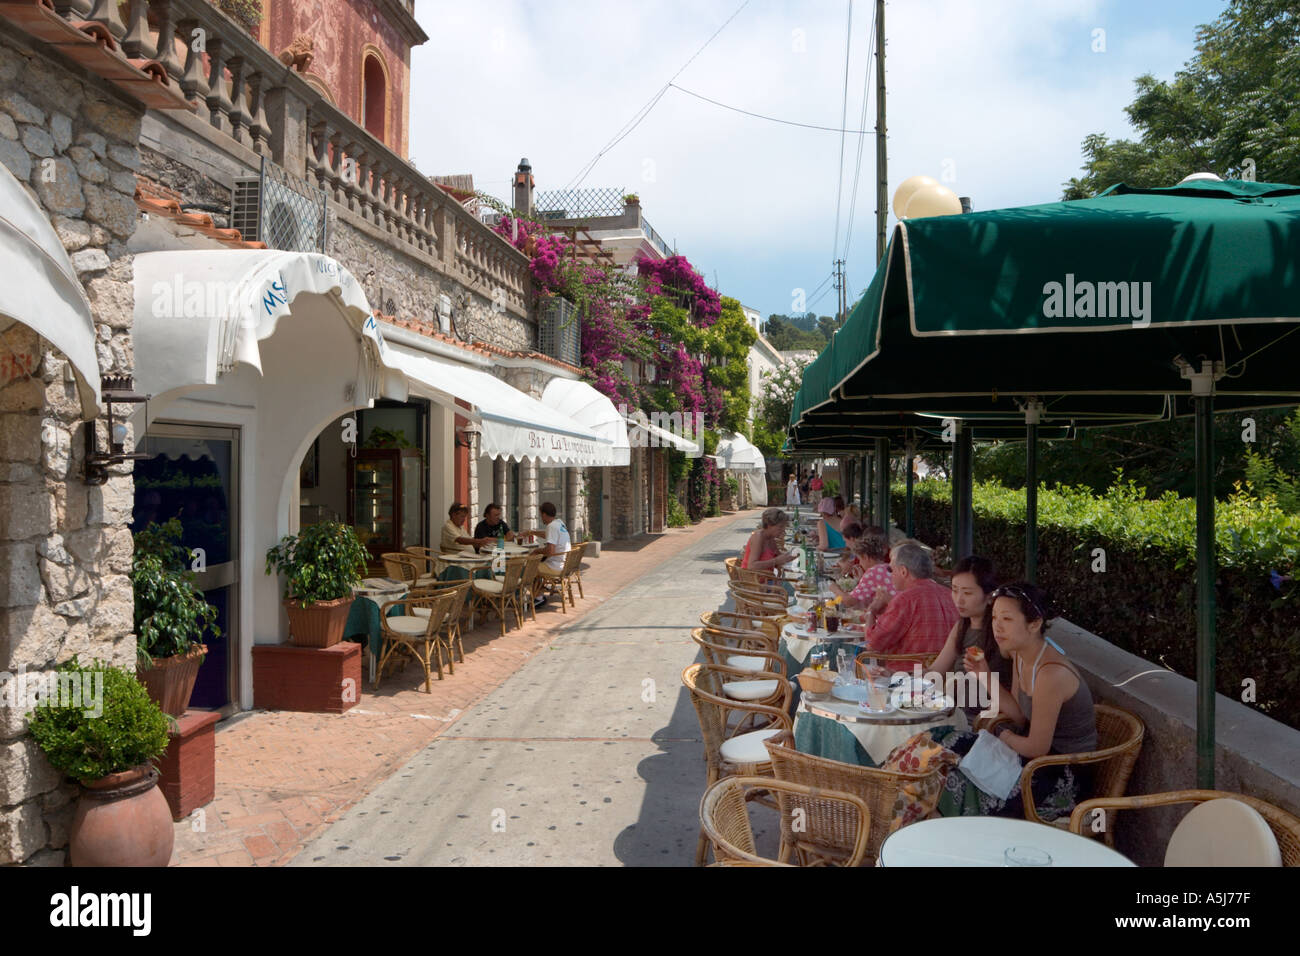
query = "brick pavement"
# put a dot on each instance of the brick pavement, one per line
(283, 776)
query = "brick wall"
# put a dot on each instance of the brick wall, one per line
(65, 546)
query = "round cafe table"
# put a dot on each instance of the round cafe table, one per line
(841, 730)
(983, 841)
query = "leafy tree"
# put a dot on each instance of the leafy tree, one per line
(1232, 101)
(786, 336)
(773, 406)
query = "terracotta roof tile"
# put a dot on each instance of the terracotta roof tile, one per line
(482, 348)
(159, 200)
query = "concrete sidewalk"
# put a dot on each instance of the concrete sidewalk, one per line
(282, 777)
(589, 754)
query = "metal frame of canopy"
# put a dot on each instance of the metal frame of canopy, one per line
(1218, 256)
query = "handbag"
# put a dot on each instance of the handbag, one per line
(992, 766)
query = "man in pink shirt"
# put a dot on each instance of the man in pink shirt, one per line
(920, 618)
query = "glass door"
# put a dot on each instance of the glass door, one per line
(192, 473)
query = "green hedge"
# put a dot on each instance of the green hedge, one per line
(1145, 600)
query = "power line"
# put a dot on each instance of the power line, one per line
(642, 113)
(770, 119)
(862, 121)
(844, 114)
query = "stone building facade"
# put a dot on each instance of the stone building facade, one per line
(65, 546)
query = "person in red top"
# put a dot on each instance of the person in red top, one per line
(919, 619)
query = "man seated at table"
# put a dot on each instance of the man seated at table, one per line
(454, 537)
(493, 526)
(557, 544)
(919, 618)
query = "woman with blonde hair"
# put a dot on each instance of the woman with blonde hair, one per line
(764, 550)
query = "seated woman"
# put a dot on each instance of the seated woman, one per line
(829, 535)
(973, 583)
(1048, 701)
(848, 566)
(765, 549)
(872, 554)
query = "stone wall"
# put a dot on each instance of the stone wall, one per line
(65, 546)
(620, 500)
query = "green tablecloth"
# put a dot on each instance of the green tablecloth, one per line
(823, 737)
(363, 621)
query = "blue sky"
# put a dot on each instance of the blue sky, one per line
(993, 96)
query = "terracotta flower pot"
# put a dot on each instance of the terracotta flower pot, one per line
(320, 625)
(122, 820)
(170, 681)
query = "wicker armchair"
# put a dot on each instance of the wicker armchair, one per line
(757, 603)
(826, 816)
(877, 788)
(562, 581)
(722, 650)
(577, 570)
(743, 639)
(426, 556)
(738, 574)
(401, 566)
(1285, 826)
(450, 633)
(735, 621)
(415, 633)
(528, 583)
(502, 594)
(726, 752)
(898, 662)
(1119, 740)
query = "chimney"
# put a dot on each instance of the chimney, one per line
(524, 188)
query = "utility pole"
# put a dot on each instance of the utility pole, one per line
(882, 160)
(840, 291)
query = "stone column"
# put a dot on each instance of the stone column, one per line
(529, 516)
(286, 115)
(473, 495)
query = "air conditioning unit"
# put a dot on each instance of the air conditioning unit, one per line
(265, 209)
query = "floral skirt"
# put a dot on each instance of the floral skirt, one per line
(1056, 790)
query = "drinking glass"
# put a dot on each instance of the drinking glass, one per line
(1026, 856)
(845, 659)
(832, 622)
(818, 657)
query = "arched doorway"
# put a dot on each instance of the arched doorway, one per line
(374, 97)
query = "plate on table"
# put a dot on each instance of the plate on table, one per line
(866, 708)
(937, 703)
(903, 680)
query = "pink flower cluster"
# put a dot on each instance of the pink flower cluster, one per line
(676, 278)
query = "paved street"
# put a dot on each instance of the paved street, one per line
(588, 755)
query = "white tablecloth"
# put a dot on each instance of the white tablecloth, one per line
(983, 841)
(799, 641)
(878, 739)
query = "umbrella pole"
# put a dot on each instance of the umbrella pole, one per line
(882, 482)
(965, 540)
(907, 501)
(865, 498)
(1032, 413)
(1205, 573)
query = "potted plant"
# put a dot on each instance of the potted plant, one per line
(171, 616)
(98, 726)
(320, 566)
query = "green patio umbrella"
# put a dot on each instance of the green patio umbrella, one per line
(1138, 302)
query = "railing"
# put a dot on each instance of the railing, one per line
(243, 91)
(655, 239)
(579, 203)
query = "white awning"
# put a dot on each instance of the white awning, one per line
(41, 289)
(512, 425)
(588, 407)
(644, 434)
(739, 454)
(199, 312)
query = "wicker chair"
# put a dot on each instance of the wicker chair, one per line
(735, 621)
(758, 604)
(878, 788)
(899, 662)
(528, 583)
(736, 573)
(1285, 826)
(760, 640)
(415, 633)
(502, 594)
(562, 581)
(827, 816)
(401, 566)
(450, 633)
(426, 556)
(726, 752)
(1119, 740)
(577, 571)
(723, 650)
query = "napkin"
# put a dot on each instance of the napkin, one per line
(992, 766)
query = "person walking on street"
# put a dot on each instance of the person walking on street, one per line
(792, 499)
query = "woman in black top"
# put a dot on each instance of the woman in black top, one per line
(973, 583)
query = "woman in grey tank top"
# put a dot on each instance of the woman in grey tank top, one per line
(1049, 703)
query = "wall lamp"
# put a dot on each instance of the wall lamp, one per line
(115, 390)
